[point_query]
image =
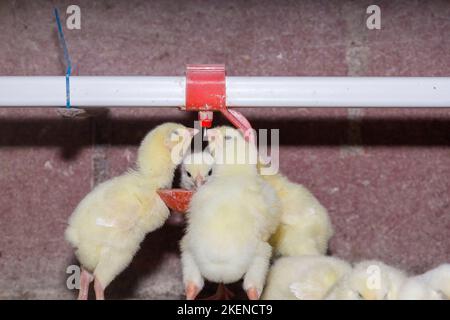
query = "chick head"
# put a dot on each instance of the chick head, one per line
(165, 145)
(370, 280)
(196, 168)
(178, 139)
(228, 146)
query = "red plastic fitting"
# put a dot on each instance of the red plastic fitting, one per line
(206, 92)
(205, 87)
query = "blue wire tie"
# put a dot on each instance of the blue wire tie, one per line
(66, 56)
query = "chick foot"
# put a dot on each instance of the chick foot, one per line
(252, 294)
(222, 293)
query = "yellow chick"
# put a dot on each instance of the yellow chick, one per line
(432, 285)
(304, 277)
(196, 168)
(369, 280)
(109, 224)
(305, 227)
(230, 220)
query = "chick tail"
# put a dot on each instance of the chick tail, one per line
(71, 236)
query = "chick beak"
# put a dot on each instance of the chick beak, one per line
(199, 181)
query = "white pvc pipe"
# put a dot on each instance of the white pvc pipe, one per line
(88, 91)
(92, 91)
(339, 91)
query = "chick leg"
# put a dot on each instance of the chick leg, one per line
(112, 262)
(256, 274)
(99, 291)
(85, 279)
(192, 278)
(191, 290)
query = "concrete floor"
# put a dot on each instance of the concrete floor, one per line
(384, 175)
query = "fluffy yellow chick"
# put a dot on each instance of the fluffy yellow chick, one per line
(369, 280)
(432, 285)
(196, 168)
(230, 220)
(304, 277)
(305, 227)
(109, 224)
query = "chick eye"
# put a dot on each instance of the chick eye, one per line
(188, 174)
(210, 172)
(175, 136)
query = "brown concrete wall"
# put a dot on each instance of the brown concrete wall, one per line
(384, 175)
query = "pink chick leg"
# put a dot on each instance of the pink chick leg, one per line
(99, 290)
(252, 294)
(85, 279)
(191, 291)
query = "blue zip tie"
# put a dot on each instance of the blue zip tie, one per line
(66, 56)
